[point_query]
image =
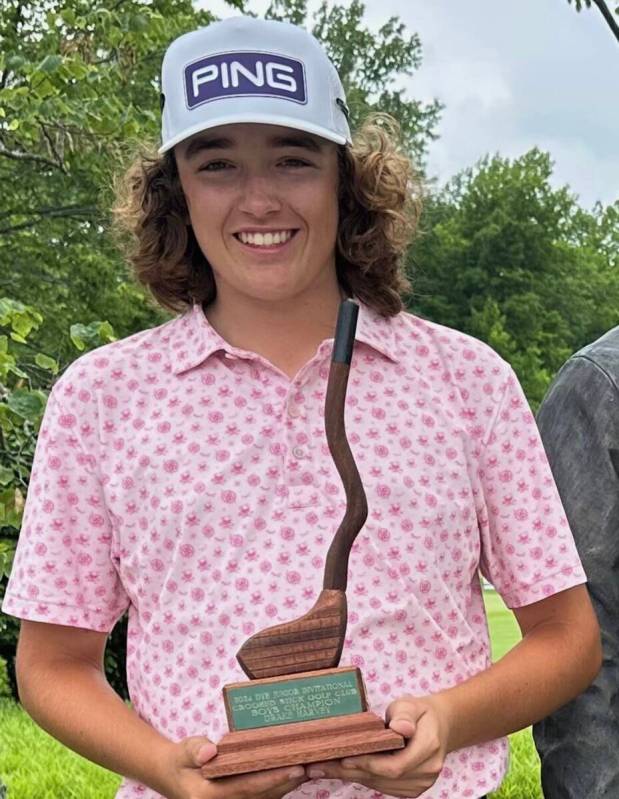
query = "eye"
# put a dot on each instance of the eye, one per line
(294, 163)
(215, 166)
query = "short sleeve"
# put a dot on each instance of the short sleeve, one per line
(63, 572)
(527, 548)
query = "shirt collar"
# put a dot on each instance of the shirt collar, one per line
(192, 339)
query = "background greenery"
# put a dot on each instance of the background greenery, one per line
(52, 771)
(502, 254)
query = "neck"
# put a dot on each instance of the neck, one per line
(287, 333)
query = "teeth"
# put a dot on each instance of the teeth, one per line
(265, 239)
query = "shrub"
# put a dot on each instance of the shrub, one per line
(26, 377)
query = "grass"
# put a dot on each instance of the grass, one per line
(35, 766)
(50, 771)
(523, 778)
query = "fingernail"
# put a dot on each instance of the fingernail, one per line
(207, 752)
(348, 764)
(316, 773)
(405, 726)
(296, 772)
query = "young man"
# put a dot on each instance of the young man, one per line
(579, 424)
(183, 473)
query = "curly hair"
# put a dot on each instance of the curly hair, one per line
(379, 208)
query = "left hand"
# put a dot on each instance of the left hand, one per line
(406, 772)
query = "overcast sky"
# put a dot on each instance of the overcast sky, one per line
(512, 75)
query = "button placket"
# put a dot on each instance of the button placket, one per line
(294, 410)
(301, 491)
(294, 402)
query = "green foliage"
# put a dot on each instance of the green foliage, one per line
(54, 772)
(84, 336)
(78, 85)
(26, 376)
(367, 63)
(604, 10)
(504, 256)
(510, 260)
(523, 780)
(79, 90)
(55, 766)
(5, 685)
(580, 4)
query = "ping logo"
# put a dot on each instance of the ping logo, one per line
(243, 74)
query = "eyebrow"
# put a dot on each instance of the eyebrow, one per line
(202, 143)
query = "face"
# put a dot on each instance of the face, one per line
(262, 202)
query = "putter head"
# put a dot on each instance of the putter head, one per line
(315, 641)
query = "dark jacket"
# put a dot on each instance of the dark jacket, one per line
(579, 423)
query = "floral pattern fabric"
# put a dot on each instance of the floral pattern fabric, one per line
(190, 482)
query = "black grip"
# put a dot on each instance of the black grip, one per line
(345, 331)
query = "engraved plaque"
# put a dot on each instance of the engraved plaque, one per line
(299, 707)
(269, 702)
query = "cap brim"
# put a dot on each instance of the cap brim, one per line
(259, 119)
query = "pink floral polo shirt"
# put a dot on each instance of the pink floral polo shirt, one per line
(190, 482)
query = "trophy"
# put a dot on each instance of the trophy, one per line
(298, 706)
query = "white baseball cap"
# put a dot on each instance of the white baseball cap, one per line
(244, 69)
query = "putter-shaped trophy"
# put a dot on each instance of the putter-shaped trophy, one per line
(298, 707)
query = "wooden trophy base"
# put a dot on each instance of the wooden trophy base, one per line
(301, 743)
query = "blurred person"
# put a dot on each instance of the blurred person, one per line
(579, 423)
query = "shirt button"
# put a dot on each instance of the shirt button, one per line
(294, 410)
(298, 452)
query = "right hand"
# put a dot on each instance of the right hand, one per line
(183, 779)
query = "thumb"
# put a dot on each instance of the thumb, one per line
(402, 716)
(199, 750)
(403, 726)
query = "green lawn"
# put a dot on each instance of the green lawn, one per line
(523, 779)
(35, 766)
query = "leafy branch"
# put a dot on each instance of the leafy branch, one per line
(604, 10)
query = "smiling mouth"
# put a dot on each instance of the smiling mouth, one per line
(276, 238)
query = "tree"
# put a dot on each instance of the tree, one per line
(510, 260)
(368, 63)
(26, 375)
(604, 10)
(79, 87)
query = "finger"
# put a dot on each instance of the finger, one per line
(402, 706)
(198, 751)
(284, 789)
(258, 783)
(384, 762)
(333, 770)
(391, 765)
(403, 726)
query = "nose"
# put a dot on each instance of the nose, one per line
(258, 196)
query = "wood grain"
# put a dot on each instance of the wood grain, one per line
(314, 641)
(336, 564)
(304, 742)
